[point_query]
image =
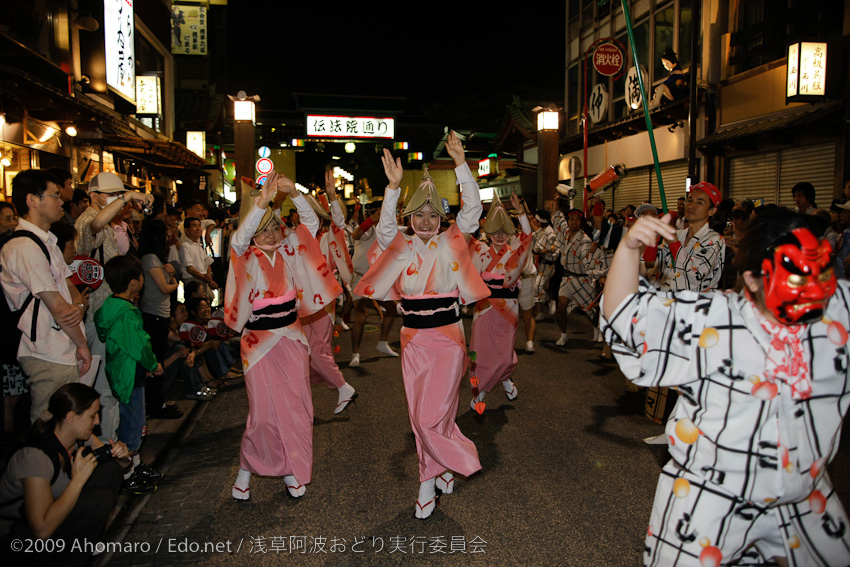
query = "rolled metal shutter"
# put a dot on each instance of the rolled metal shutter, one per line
(673, 175)
(815, 164)
(754, 177)
(633, 189)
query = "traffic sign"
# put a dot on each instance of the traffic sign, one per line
(264, 165)
(262, 179)
(264, 151)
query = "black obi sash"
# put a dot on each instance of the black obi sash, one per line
(499, 292)
(430, 313)
(270, 317)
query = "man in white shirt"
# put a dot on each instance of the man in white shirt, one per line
(196, 263)
(58, 353)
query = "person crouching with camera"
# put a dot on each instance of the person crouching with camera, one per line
(58, 491)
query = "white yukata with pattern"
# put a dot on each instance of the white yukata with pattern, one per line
(758, 419)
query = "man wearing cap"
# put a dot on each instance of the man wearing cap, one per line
(695, 261)
(96, 238)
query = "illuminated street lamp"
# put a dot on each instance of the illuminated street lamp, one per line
(548, 128)
(243, 107)
(244, 115)
(548, 120)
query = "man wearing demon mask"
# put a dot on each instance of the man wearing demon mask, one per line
(763, 383)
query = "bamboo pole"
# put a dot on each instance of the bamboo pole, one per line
(631, 31)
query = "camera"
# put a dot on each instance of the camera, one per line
(101, 454)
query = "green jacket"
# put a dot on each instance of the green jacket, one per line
(119, 326)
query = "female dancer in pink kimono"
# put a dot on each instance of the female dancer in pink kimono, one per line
(269, 276)
(317, 322)
(495, 321)
(431, 273)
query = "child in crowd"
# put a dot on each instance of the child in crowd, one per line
(194, 385)
(129, 360)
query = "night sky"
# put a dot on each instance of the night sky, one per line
(463, 60)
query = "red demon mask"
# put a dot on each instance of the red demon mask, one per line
(799, 279)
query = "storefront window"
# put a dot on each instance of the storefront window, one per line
(686, 32)
(665, 35)
(35, 24)
(642, 44)
(574, 108)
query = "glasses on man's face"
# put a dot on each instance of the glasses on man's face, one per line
(56, 196)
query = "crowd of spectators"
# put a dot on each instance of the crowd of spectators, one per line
(92, 278)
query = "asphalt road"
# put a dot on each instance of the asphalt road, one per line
(566, 477)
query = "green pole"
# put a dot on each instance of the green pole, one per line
(645, 108)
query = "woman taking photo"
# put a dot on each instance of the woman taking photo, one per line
(55, 488)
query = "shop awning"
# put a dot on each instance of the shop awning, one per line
(99, 125)
(162, 154)
(798, 117)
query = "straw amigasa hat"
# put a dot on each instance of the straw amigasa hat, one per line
(497, 218)
(249, 193)
(425, 194)
(322, 210)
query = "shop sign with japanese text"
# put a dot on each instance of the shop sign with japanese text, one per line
(350, 127)
(119, 35)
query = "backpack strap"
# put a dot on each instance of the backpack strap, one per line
(32, 236)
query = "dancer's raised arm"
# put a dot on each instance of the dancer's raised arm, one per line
(388, 226)
(470, 211)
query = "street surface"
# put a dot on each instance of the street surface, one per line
(566, 477)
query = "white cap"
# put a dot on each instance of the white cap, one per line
(106, 183)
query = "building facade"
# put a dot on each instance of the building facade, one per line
(733, 126)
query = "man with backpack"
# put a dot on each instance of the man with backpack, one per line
(39, 298)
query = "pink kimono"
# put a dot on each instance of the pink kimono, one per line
(495, 321)
(318, 324)
(431, 279)
(261, 301)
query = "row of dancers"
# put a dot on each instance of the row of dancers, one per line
(281, 291)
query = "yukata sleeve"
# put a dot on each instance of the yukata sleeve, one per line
(714, 261)
(336, 215)
(387, 225)
(469, 214)
(538, 243)
(655, 335)
(308, 216)
(559, 223)
(585, 255)
(241, 239)
(598, 263)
